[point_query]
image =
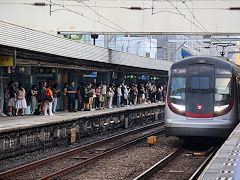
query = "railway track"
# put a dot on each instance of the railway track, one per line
(69, 161)
(154, 171)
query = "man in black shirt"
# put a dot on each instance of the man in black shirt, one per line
(71, 92)
(131, 93)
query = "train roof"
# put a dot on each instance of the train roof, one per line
(212, 59)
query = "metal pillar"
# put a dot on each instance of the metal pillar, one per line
(1, 92)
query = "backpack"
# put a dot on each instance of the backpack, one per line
(7, 94)
(20, 94)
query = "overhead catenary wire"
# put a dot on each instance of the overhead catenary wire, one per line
(183, 1)
(81, 14)
(108, 7)
(101, 15)
(184, 16)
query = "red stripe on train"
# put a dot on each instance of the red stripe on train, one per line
(198, 115)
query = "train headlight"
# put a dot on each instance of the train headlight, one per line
(220, 108)
(178, 107)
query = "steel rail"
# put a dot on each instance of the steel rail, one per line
(198, 172)
(149, 172)
(95, 158)
(37, 163)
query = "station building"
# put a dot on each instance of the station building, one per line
(29, 56)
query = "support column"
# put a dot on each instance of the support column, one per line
(107, 78)
(120, 78)
(103, 76)
(1, 92)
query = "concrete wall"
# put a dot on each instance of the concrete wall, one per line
(25, 140)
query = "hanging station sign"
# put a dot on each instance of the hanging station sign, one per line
(6, 60)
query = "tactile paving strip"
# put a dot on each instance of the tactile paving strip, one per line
(226, 163)
(229, 167)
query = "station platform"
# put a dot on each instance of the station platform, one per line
(13, 123)
(225, 165)
(20, 134)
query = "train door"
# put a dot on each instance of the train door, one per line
(200, 91)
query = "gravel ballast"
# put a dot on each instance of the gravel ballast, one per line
(128, 163)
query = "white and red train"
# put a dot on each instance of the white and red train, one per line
(203, 98)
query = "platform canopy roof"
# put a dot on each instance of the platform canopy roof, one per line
(39, 42)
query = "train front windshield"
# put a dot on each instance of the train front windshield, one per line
(223, 98)
(201, 90)
(178, 88)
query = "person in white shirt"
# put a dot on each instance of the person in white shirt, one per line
(21, 101)
(119, 95)
(110, 95)
(104, 93)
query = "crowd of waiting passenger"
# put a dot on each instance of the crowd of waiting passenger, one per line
(43, 99)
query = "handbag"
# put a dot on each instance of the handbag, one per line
(48, 98)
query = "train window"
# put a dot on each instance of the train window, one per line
(177, 90)
(222, 89)
(223, 71)
(200, 83)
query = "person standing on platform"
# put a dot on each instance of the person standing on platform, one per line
(159, 94)
(131, 94)
(55, 92)
(34, 103)
(125, 94)
(10, 98)
(135, 94)
(41, 90)
(94, 96)
(86, 98)
(104, 94)
(21, 101)
(80, 90)
(98, 96)
(90, 96)
(71, 92)
(149, 87)
(65, 98)
(119, 95)
(122, 97)
(141, 94)
(110, 95)
(48, 100)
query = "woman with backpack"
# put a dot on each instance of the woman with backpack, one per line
(21, 101)
(48, 100)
